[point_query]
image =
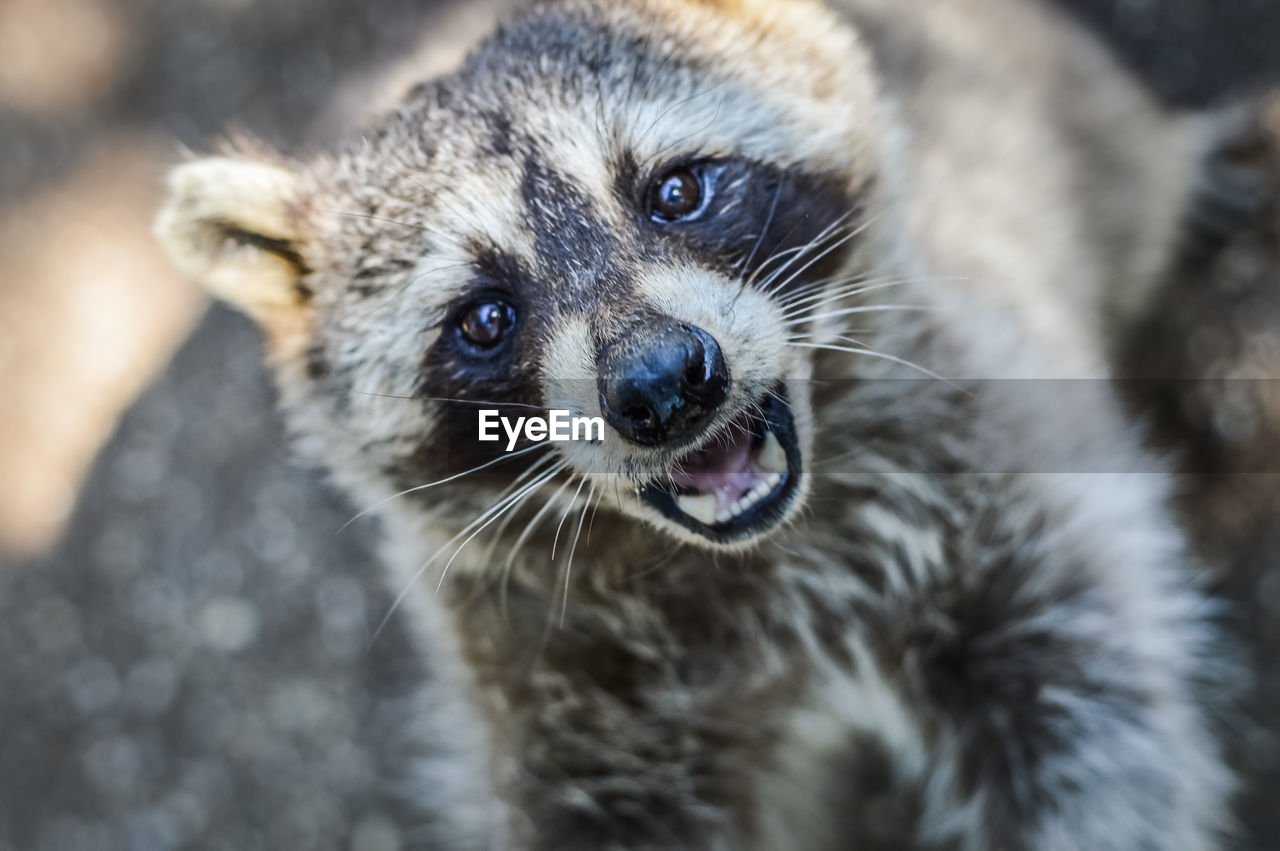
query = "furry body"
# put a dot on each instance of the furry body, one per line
(973, 628)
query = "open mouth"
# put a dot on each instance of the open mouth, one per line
(741, 482)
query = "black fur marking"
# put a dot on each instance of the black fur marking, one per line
(503, 378)
(453, 445)
(758, 210)
(572, 242)
(504, 269)
(508, 273)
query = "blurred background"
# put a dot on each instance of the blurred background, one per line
(184, 632)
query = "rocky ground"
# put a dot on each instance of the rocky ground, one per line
(190, 667)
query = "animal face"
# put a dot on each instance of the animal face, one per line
(613, 210)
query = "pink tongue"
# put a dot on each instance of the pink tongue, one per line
(724, 470)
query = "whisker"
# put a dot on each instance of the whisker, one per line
(535, 467)
(803, 307)
(454, 477)
(798, 337)
(568, 567)
(719, 105)
(768, 222)
(866, 308)
(501, 506)
(775, 257)
(861, 283)
(501, 509)
(830, 248)
(522, 539)
(874, 354)
(840, 228)
(458, 401)
(567, 509)
(821, 285)
(853, 233)
(636, 145)
(831, 231)
(592, 524)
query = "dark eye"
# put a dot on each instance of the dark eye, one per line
(676, 195)
(486, 323)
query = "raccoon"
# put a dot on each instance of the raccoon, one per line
(867, 554)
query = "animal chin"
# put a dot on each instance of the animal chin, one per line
(741, 483)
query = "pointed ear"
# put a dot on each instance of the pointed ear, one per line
(237, 227)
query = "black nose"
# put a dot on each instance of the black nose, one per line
(660, 385)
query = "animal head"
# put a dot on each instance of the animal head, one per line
(613, 210)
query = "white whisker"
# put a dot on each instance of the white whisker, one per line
(484, 519)
(500, 509)
(830, 248)
(874, 354)
(866, 308)
(523, 537)
(831, 231)
(511, 515)
(567, 509)
(573, 547)
(821, 299)
(505, 457)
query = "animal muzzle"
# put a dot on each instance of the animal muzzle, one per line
(660, 384)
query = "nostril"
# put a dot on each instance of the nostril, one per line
(697, 373)
(706, 375)
(638, 414)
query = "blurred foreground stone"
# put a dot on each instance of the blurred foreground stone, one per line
(192, 667)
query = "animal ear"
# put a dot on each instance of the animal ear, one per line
(237, 227)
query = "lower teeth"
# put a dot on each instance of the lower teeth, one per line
(754, 496)
(701, 508)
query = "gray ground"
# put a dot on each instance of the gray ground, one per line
(190, 667)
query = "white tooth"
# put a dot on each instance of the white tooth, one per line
(761, 490)
(725, 516)
(772, 480)
(701, 508)
(772, 457)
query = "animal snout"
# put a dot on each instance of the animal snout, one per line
(661, 384)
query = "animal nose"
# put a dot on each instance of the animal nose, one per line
(662, 385)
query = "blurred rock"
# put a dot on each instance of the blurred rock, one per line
(212, 692)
